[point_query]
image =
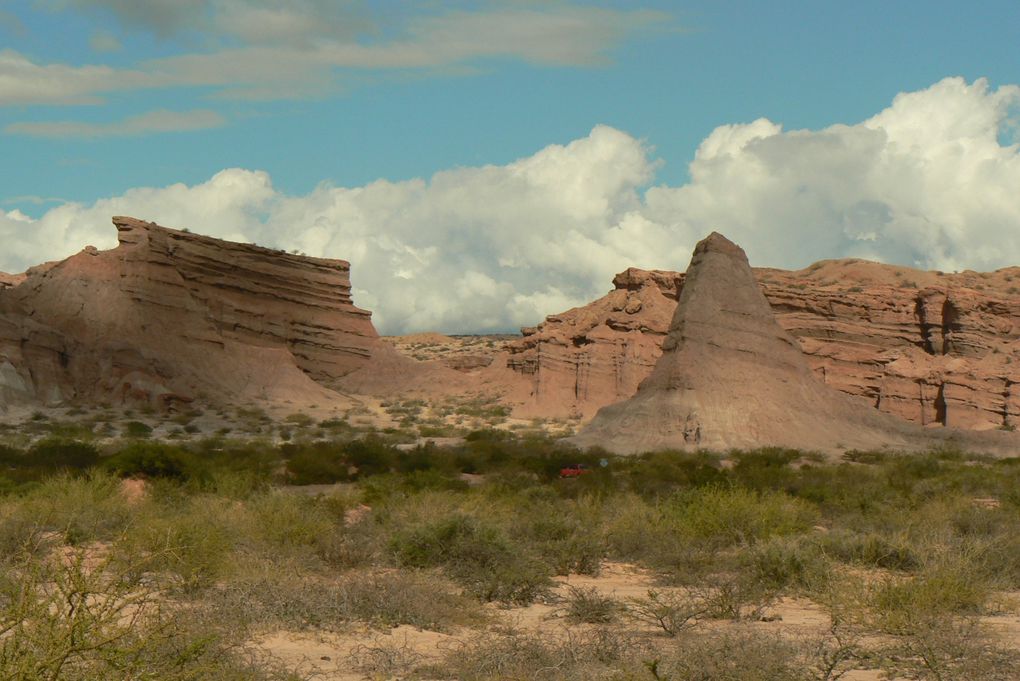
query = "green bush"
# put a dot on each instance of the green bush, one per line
(902, 605)
(192, 540)
(137, 429)
(727, 516)
(75, 620)
(474, 554)
(55, 454)
(370, 456)
(782, 563)
(870, 550)
(318, 463)
(80, 508)
(289, 521)
(154, 460)
(590, 606)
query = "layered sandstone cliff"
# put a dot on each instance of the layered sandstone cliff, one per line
(929, 347)
(731, 377)
(169, 316)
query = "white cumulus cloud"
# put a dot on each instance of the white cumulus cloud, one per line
(926, 182)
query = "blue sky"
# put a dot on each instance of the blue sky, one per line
(669, 79)
(101, 99)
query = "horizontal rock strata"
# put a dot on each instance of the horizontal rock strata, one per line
(929, 347)
(730, 377)
(168, 316)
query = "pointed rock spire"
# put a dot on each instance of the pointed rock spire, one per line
(731, 377)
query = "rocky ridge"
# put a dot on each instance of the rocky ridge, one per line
(169, 316)
(9, 280)
(731, 377)
(929, 347)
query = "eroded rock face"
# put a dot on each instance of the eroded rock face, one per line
(931, 348)
(170, 316)
(731, 377)
(9, 280)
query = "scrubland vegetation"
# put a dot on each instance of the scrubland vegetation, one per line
(910, 560)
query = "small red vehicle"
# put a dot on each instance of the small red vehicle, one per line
(574, 470)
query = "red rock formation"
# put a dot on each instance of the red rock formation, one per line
(169, 315)
(731, 377)
(9, 280)
(928, 347)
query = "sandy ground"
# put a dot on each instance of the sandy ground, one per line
(348, 656)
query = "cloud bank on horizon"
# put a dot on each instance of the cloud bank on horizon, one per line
(932, 181)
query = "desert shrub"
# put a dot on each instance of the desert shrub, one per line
(590, 606)
(55, 454)
(902, 605)
(870, 549)
(425, 457)
(136, 429)
(725, 516)
(658, 474)
(384, 658)
(672, 611)
(742, 655)
(951, 649)
(289, 521)
(76, 620)
(265, 597)
(71, 430)
(300, 420)
(10, 456)
(251, 456)
(866, 456)
(358, 545)
(232, 484)
(370, 456)
(192, 540)
(418, 599)
(781, 563)
(735, 596)
(488, 435)
(437, 431)
(154, 460)
(20, 531)
(79, 508)
(477, 555)
(565, 534)
(515, 655)
(764, 469)
(315, 463)
(635, 527)
(1000, 556)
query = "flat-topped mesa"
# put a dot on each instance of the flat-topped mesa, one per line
(245, 260)
(731, 377)
(253, 294)
(168, 314)
(933, 348)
